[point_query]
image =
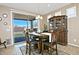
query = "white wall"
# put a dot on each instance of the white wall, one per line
(73, 24)
(4, 34)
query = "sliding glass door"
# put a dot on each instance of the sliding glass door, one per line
(18, 29)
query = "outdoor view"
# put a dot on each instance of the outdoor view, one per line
(19, 26)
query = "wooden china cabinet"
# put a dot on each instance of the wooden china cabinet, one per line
(59, 25)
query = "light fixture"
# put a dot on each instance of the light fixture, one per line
(38, 10)
(39, 17)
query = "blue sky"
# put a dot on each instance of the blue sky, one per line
(21, 23)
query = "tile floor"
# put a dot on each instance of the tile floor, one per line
(14, 50)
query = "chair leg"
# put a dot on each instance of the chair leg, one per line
(56, 50)
(42, 48)
(30, 48)
(39, 47)
(4, 45)
(49, 51)
(26, 48)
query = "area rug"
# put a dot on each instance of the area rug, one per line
(35, 52)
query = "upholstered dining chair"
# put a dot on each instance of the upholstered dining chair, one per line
(52, 46)
(30, 42)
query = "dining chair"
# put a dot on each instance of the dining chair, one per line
(31, 42)
(52, 46)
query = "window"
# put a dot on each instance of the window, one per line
(58, 13)
(18, 29)
(28, 24)
(21, 23)
(35, 23)
(71, 12)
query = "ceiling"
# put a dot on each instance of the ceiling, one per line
(37, 8)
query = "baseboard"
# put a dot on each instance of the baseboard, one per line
(73, 45)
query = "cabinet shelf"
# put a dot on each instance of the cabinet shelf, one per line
(59, 23)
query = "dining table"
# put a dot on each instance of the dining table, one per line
(40, 39)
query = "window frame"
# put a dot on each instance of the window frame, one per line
(74, 14)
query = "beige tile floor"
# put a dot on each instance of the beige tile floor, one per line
(14, 50)
(72, 50)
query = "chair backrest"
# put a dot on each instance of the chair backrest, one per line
(0, 40)
(54, 37)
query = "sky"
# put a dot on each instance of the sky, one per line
(21, 23)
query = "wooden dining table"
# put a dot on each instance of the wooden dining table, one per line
(41, 37)
(42, 34)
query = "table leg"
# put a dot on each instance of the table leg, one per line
(30, 48)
